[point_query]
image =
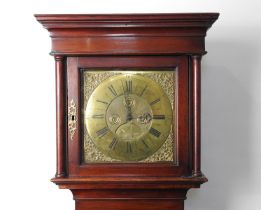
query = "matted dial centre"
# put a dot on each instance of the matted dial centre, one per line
(127, 117)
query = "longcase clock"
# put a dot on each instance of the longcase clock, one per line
(128, 107)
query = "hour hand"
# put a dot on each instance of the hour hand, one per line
(129, 114)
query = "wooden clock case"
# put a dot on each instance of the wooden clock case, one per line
(128, 41)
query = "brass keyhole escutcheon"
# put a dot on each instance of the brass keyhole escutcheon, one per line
(72, 120)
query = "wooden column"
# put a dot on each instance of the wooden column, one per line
(196, 101)
(60, 115)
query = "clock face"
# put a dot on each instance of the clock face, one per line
(128, 117)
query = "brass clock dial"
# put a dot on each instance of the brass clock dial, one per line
(128, 117)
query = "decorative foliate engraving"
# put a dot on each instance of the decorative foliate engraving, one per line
(72, 118)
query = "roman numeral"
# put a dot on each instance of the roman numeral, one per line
(129, 149)
(98, 116)
(102, 132)
(113, 143)
(159, 117)
(113, 91)
(143, 90)
(143, 141)
(128, 84)
(104, 102)
(154, 132)
(155, 101)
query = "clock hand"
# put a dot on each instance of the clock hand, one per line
(129, 112)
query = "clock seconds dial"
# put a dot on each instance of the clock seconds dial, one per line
(128, 117)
